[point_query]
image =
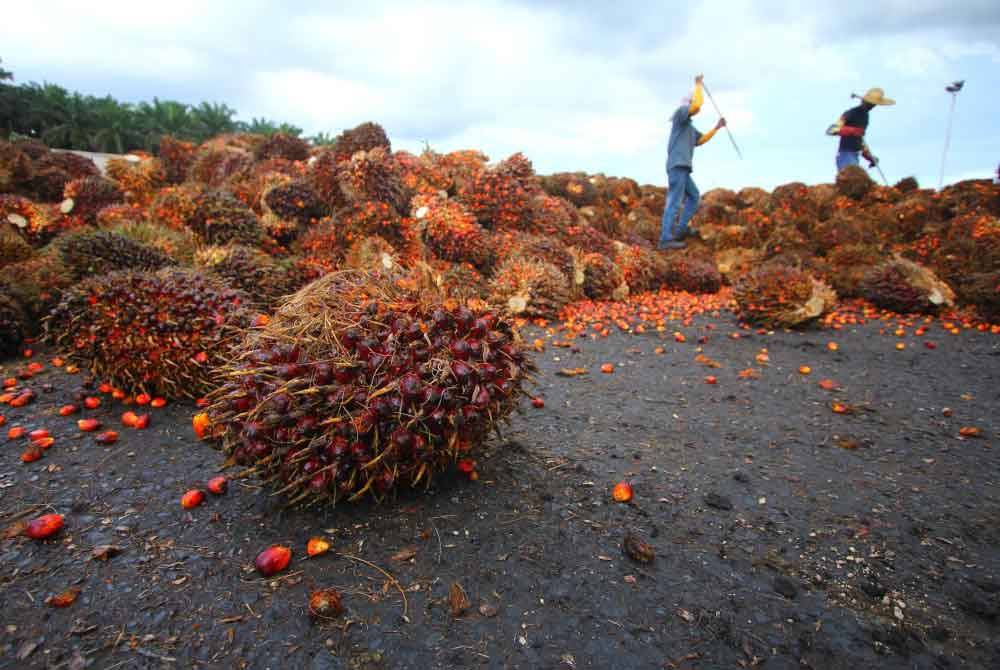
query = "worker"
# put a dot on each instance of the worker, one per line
(851, 127)
(684, 137)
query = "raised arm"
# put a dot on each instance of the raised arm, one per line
(710, 134)
(697, 96)
(840, 130)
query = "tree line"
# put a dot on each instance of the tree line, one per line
(70, 120)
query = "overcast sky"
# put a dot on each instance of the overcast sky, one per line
(575, 85)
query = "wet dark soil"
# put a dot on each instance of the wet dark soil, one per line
(786, 535)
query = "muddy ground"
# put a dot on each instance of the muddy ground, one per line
(786, 535)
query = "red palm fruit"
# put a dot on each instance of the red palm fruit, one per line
(141, 422)
(200, 423)
(317, 546)
(5, 398)
(3, 419)
(45, 442)
(16, 432)
(44, 526)
(192, 499)
(66, 410)
(467, 465)
(273, 560)
(31, 454)
(107, 437)
(9, 383)
(142, 399)
(88, 425)
(105, 388)
(129, 419)
(158, 402)
(537, 402)
(218, 485)
(622, 492)
(118, 394)
(58, 362)
(92, 402)
(38, 434)
(22, 399)
(36, 367)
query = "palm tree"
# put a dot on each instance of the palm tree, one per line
(67, 117)
(323, 138)
(211, 119)
(164, 117)
(115, 130)
(5, 74)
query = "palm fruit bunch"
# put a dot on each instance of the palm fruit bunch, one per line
(119, 214)
(176, 156)
(902, 286)
(294, 201)
(374, 254)
(85, 197)
(983, 291)
(31, 221)
(360, 220)
(37, 282)
(642, 223)
(968, 196)
(458, 167)
(911, 215)
(179, 245)
(357, 387)
(551, 215)
(217, 166)
(853, 181)
(138, 180)
(372, 176)
(451, 231)
(848, 265)
(174, 206)
(162, 333)
(13, 247)
(282, 145)
(642, 268)
(683, 272)
(547, 249)
(250, 188)
(75, 165)
(364, 137)
(12, 323)
(420, 175)
(100, 252)
(16, 168)
(575, 187)
(219, 218)
(530, 288)
(599, 277)
(250, 270)
(323, 175)
(603, 219)
(459, 281)
(48, 184)
(500, 196)
(781, 296)
(324, 243)
(587, 238)
(847, 226)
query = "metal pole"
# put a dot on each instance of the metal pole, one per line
(947, 137)
(719, 112)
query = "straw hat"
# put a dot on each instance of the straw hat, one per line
(876, 96)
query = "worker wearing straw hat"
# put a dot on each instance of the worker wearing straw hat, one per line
(851, 127)
(684, 137)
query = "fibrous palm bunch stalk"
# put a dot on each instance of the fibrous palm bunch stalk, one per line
(282, 145)
(902, 286)
(500, 196)
(294, 201)
(219, 218)
(13, 247)
(373, 254)
(848, 265)
(364, 137)
(176, 156)
(16, 168)
(575, 187)
(356, 387)
(451, 231)
(642, 268)
(162, 333)
(372, 176)
(218, 166)
(853, 181)
(250, 270)
(116, 215)
(101, 252)
(75, 165)
(529, 288)
(138, 180)
(12, 323)
(85, 197)
(684, 272)
(599, 278)
(779, 296)
(180, 245)
(31, 221)
(174, 206)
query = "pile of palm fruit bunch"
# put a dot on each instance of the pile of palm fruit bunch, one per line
(266, 215)
(358, 386)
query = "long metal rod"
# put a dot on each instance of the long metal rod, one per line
(884, 180)
(719, 112)
(947, 138)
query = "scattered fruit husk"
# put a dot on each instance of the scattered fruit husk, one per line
(457, 600)
(404, 554)
(105, 551)
(218, 485)
(969, 431)
(622, 492)
(64, 599)
(325, 604)
(317, 546)
(637, 549)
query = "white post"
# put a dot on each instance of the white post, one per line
(947, 138)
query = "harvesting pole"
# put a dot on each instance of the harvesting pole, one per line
(953, 88)
(719, 112)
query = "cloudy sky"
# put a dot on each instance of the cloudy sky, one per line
(574, 84)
